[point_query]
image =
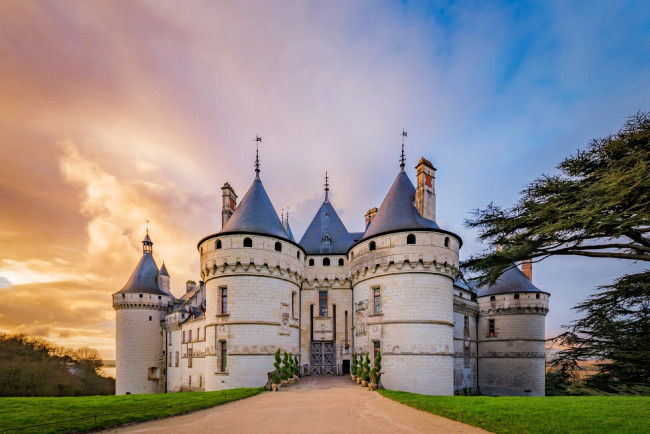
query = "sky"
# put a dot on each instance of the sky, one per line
(117, 112)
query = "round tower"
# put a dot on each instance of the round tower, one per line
(511, 336)
(252, 272)
(140, 308)
(402, 272)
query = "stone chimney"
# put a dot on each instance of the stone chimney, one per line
(527, 268)
(229, 203)
(370, 215)
(425, 193)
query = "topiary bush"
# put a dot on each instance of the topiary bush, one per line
(276, 377)
(365, 368)
(354, 365)
(375, 372)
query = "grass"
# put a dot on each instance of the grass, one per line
(73, 414)
(553, 414)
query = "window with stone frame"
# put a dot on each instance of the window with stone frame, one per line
(376, 346)
(376, 297)
(293, 304)
(491, 330)
(189, 357)
(322, 303)
(466, 327)
(189, 336)
(183, 336)
(177, 359)
(223, 356)
(224, 301)
(169, 357)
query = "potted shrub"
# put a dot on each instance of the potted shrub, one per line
(375, 373)
(365, 371)
(284, 371)
(353, 367)
(296, 367)
(276, 378)
(359, 372)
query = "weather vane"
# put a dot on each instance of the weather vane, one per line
(403, 157)
(258, 140)
(147, 221)
(327, 185)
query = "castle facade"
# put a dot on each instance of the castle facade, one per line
(393, 288)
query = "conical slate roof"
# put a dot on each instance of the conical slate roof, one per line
(163, 270)
(326, 222)
(288, 230)
(510, 281)
(397, 211)
(143, 280)
(255, 214)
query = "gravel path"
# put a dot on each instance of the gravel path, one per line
(313, 405)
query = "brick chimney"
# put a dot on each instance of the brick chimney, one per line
(370, 215)
(527, 268)
(425, 193)
(229, 203)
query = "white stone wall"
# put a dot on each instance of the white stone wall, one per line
(512, 362)
(465, 351)
(415, 325)
(139, 343)
(259, 282)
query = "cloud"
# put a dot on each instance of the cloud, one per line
(4, 282)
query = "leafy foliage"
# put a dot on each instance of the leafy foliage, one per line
(375, 372)
(615, 329)
(354, 365)
(365, 368)
(597, 206)
(276, 377)
(35, 367)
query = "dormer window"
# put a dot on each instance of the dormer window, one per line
(327, 240)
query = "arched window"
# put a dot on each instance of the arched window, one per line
(446, 241)
(372, 246)
(217, 245)
(341, 262)
(248, 242)
(516, 296)
(298, 254)
(410, 239)
(311, 262)
(278, 246)
(493, 298)
(537, 296)
(326, 262)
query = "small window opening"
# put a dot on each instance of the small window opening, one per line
(537, 296)
(278, 247)
(372, 246)
(410, 239)
(224, 356)
(446, 241)
(159, 297)
(491, 327)
(352, 256)
(326, 262)
(493, 298)
(341, 262)
(201, 249)
(150, 318)
(298, 254)
(224, 301)
(516, 296)
(311, 262)
(322, 303)
(248, 242)
(377, 300)
(217, 245)
(140, 295)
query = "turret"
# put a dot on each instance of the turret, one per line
(140, 310)
(511, 336)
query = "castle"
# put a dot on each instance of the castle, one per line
(394, 288)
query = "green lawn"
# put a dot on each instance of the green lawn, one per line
(553, 414)
(78, 413)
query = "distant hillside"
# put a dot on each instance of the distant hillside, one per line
(35, 367)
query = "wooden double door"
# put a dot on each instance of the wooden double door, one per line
(323, 358)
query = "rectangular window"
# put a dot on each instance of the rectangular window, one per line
(491, 327)
(224, 356)
(376, 347)
(224, 301)
(198, 334)
(293, 304)
(169, 356)
(169, 340)
(176, 359)
(189, 336)
(183, 336)
(189, 357)
(466, 328)
(376, 293)
(322, 303)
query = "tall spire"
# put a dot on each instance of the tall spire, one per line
(403, 157)
(327, 187)
(258, 140)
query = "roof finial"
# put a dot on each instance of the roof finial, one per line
(403, 157)
(327, 186)
(287, 215)
(147, 221)
(258, 140)
(282, 218)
